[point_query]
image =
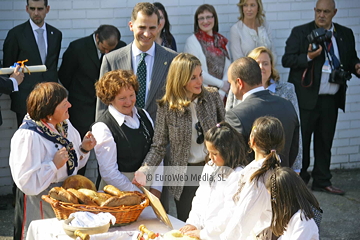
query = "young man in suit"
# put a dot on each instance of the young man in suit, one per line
(38, 42)
(319, 95)
(144, 24)
(80, 70)
(11, 84)
(244, 76)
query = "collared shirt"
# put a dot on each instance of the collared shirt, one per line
(325, 86)
(149, 60)
(35, 27)
(15, 84)
(97, 49)
(255, 90)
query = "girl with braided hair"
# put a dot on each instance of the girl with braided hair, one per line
(252, 215)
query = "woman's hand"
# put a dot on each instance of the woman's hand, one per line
(61, 157)
(187, 228)
(193, 234)
(139, 179)
(88, 142)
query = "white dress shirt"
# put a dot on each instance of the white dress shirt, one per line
(212, 205)
(252, 213)
(299, 228)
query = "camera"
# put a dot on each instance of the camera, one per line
(339, 76)
(318, 36)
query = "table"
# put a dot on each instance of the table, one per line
(51, 228)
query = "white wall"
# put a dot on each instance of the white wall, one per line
(77, 18)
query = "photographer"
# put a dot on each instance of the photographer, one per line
(319, 77)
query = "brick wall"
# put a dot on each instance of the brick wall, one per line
(78, 18)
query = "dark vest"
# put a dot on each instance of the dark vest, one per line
(132, 145)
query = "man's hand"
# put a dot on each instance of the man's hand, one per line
(314, 54)
(19, 76)
(357, 68)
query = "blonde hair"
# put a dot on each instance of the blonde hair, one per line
(260, 14)
(255, 53)
(180, 72)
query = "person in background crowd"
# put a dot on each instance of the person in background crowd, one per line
(210, 47)
(185, 113)
(44, 151)
(292, 206)
(251, 30)
(320, 91)
(225, 161)
(270, 80)
(164, 36)
(38, 42)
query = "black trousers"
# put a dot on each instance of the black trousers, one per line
(19, 214)
(320, 121)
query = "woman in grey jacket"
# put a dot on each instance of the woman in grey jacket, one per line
(185, 113)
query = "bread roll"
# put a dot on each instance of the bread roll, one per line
(62, 195)
(83, 199)
(110, 189)
(77, 182)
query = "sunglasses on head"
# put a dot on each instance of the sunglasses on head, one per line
(200, 134)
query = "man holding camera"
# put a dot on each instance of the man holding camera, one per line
(320, 64)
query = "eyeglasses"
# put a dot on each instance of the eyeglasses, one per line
(201, 19)
(200, 134)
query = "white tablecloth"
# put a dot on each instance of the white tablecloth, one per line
(47, 229)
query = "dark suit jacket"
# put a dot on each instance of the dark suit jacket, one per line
(295, 58)
(262, 103)
(121, 59)
(6, 86)
(20, 44)
(79, 70)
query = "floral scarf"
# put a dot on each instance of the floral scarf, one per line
(40, 128)
(214, 48)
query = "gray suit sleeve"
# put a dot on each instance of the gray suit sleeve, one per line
(234, 121)
(100, 106)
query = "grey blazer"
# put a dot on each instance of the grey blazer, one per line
(122, 59)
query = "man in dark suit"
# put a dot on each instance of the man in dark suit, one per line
(318, 98)
(9, 85)
(80, 70)
(244, 75)
(38, 42)
(144, 24)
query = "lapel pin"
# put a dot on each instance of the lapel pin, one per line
(52, 32)
(165, 63)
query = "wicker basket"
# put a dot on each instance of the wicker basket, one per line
(123, 214)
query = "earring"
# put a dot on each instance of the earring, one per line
(49, 119)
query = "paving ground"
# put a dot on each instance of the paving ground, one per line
(341, 218)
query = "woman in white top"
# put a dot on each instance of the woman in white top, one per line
(252, 215)
(227, 157)
(293, 206)
(123, 132)
(210, 48)
(250, 31)
(45, 150)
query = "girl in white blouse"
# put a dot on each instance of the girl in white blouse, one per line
(292, 206)
(250, 31)
(252, 215)
(226, 154)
